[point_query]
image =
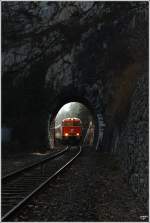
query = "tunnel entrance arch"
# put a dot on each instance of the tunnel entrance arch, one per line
(97, 117)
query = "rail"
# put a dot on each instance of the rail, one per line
(15, 192)
(12, 174)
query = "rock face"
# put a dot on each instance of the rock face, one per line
(132, 142)
(94, 53)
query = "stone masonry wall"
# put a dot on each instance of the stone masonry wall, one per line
(132, 143)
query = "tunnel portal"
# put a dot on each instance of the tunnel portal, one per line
(95, 127)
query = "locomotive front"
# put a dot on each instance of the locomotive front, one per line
(71, 130)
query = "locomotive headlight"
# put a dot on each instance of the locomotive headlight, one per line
(77, 134)
(66, 134)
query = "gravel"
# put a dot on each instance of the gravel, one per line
(15, 162)
(91, 189)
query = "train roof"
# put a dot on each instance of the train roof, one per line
(71, 119)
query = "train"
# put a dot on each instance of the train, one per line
(69, 131)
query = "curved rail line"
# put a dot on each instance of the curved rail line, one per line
(16, 172)
(16, 191)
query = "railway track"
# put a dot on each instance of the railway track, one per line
(34, 163)
(19, 186)
(20, 161)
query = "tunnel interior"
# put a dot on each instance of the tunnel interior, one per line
(91, 129)
(75, 110)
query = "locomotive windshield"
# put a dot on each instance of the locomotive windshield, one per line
(71, 123)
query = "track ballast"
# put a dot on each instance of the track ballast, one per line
(18, 187)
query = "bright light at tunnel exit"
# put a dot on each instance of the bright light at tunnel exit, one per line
(66, 107)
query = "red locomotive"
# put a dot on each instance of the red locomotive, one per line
(71, 130)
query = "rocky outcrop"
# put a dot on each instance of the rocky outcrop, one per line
(131, 143)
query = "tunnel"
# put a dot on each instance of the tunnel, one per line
(97, 118)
